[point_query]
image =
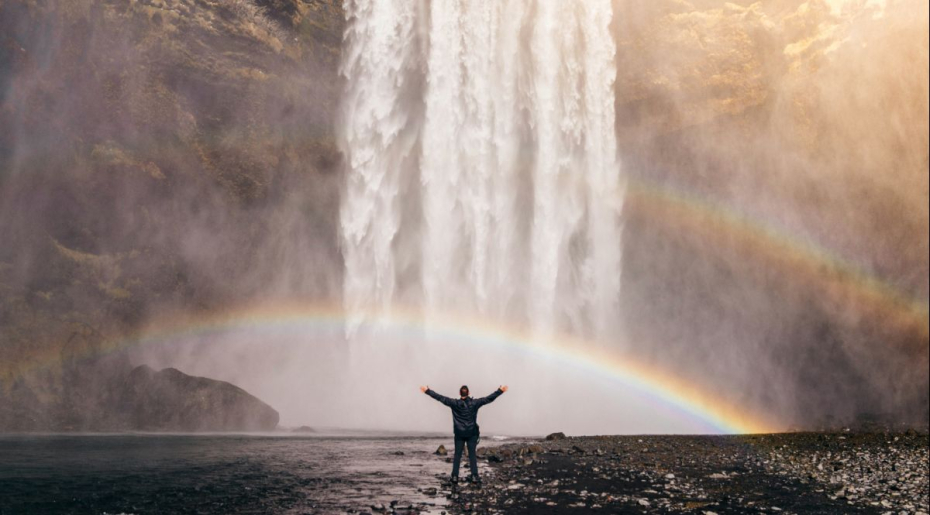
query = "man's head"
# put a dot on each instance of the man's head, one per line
(463, 391)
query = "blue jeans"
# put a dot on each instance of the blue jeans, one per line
(460, 443)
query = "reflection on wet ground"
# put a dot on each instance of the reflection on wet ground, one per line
(217, 473)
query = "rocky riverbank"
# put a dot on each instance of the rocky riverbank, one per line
(836, 472)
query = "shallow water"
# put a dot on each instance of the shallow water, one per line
(215, 473)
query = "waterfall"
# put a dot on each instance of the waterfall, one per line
(377, 136)
(482, 167)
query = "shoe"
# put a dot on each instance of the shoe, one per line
(454, 480)
(475, 481)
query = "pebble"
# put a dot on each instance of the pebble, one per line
(708, 474)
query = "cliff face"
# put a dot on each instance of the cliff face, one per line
(160, 155)
(155, 154)
(776, 242)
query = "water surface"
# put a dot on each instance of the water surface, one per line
(215, 473)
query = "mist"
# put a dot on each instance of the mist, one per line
(745, 208)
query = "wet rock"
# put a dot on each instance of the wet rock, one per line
(441, 451)
(555, 436)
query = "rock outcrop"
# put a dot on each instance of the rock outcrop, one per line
(105, 394)
(170, 400)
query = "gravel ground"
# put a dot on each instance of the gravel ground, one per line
(835, 472)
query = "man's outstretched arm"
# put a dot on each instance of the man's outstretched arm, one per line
(490, 398)
(441, 398)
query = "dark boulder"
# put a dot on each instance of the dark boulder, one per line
(170, 400)
(555, 436)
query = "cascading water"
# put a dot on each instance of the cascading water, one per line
(495, 119)
(378, 137)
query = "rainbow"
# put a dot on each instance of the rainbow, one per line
(669, 392)
(837, 281)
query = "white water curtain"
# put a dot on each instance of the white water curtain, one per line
(482, 161)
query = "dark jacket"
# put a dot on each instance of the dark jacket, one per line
(465, 412)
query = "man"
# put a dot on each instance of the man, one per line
(465, 426)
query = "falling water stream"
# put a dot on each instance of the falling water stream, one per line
(483, 173)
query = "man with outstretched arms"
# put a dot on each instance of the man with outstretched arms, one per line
(465, 425)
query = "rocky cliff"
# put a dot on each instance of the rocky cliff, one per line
(776, 242)
(166, 155)
(151, 154)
